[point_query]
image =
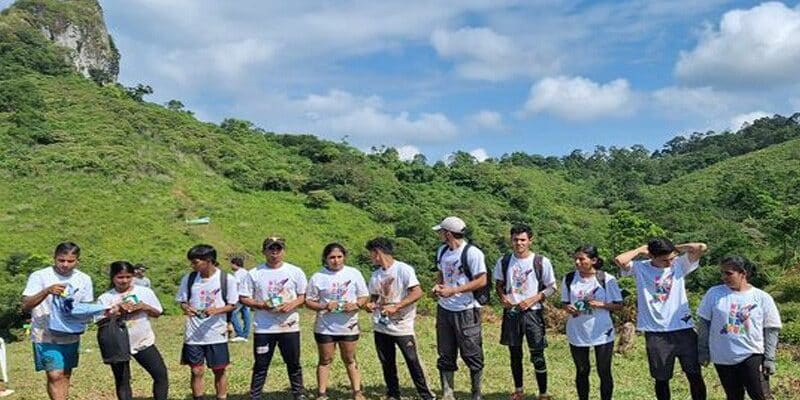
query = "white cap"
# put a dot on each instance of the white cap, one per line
(451, 224)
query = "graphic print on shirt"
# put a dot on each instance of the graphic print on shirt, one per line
(519, 278)
(451, 272)
(277, 289)
(738, 320)
(385, 296)
(584, 297)
(207, 298)
(338, 291)
(663, 287)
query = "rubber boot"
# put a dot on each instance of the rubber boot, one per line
(475, 378)
(447, 385)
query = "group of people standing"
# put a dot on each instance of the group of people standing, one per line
(737, 329)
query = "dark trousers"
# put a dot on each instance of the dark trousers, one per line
(746, 375)
(459, 332)
(602, 354)
(385, 344)
(264, 348)
(152, 362)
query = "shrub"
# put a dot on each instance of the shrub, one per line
(790, 312)
(319, 199)
(790, 333)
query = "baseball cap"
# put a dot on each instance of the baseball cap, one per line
(273, 241)
(451, 224)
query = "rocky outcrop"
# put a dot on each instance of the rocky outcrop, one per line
(78, 26)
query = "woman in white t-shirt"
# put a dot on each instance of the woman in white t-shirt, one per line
(336, 293)
(589, 295)
(738, 331)
(135, 305)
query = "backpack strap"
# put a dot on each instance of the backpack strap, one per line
(568, 283)
(189, 284)
(601, 278)
(537, 267)
(504, 263)
(464, 263)
(223, 285)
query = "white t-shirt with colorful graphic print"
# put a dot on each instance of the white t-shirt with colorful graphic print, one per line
(241, 278)
(206, 293)
(276, 286)
(662, 305)
(391, 285)
(140, 333)
(593, 326)
(737, 320)
(520, 281)
(453, 275)
(343, 286)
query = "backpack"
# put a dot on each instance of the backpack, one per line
(537, 268)
(481, 294)
(599, 275)
(113, 340)
(223, 285)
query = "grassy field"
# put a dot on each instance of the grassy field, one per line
(93, 380)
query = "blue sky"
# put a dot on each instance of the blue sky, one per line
(484, 76)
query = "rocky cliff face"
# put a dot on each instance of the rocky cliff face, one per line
(78, 26)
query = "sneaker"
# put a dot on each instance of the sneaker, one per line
(238, 339)
(517, 396)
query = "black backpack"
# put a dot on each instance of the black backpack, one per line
(113, 340)
(537, 268)
(223, 285)
(600, 275)
(481, 294)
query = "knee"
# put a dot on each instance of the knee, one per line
(538, 360)
(57, 376)
(198, 372)
(349, 359)
(325, 360)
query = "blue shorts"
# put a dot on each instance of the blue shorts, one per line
(216, 355)
(55, 357)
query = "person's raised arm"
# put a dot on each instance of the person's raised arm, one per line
(693, 250)
(623, 261)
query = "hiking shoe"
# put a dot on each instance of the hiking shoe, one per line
(517, 396)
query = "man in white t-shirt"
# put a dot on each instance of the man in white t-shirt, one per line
(523, 280)
(275, 289)
(56, 354)
(139, 279)
(394, 291)
(206, 296)
(458, 315)
(663, 312)
(240, 318)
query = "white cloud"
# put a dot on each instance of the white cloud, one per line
(755, 47)
(364, 119)
(742, 120)
(580, 99)
(678, 102)
(480, 154)
(407, 152)
(487, 119)
(482, 53)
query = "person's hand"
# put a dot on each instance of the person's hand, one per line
(131, 308)
(572, 310)
(445, 291)
(56, 289)
(332, 305)
(370, 307)
(350, 307)
(596, 304)
(389, 310)
(768, 367)
(703, 358)
(506, 303)
(211, 311)
(644, 251)
(285, 308)
(189, 310)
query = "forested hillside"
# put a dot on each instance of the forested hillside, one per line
(91, 161)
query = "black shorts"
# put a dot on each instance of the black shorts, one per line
(664, 347)
(322, 338)
(216, 355)
(529, 324)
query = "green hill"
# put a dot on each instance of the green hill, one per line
(88, 160)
